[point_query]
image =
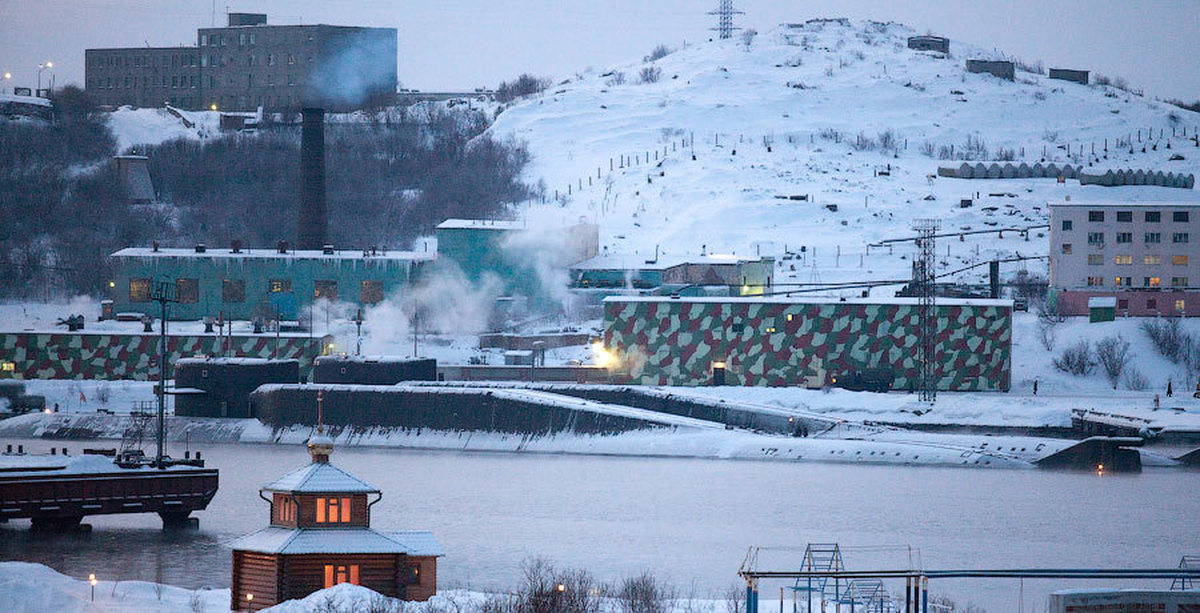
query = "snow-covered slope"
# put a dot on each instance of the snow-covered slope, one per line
(823, 95)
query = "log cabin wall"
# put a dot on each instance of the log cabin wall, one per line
(257, 574)
(305, 574)
(426, 585)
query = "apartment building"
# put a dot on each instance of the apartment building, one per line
(249, 64)
(1144, 254)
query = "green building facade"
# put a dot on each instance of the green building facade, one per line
(256, 283)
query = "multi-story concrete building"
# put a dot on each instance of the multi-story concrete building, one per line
(249, 64)
(1145, 254)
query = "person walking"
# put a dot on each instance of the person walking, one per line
(1035, 382)
(1170, 392)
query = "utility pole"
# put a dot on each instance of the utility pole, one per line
(164, 293)
(927, 322)
(724, 14)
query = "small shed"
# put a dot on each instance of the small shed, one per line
(1102, 308)
(320, 535)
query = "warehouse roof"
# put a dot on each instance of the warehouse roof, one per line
(481, 224)
(270, 254)
(1124, 203)
(640, 262)
(809, 300)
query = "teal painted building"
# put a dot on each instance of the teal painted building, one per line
(249, 283)
(512, 252)
(686, 276)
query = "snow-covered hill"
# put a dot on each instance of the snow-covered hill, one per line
(837, 103)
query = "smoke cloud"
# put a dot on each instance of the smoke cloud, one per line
(358, 65)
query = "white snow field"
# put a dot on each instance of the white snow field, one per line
(822, 94)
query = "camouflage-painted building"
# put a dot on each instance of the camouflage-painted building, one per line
(804, 341)
(33, 355)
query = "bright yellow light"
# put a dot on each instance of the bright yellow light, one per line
(602, 356)
(112, 283)
(92, 579)
(8, 75)
(562, 588)
(212, 107)
(47, 411)
(49, 64)
(249, 597)
(717, 365)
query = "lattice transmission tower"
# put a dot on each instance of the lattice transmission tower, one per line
(927, 321)
(724, 14)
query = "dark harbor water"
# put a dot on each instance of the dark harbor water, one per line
(689, 520)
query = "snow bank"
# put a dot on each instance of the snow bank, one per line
(34, 588)
(133, 127)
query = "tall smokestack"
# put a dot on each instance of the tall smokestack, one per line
(312, 230)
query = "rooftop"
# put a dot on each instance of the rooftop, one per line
(641, 262)
(1192, 201)
(320, 478)
(292, 254)
(481, 224)
(810, 300)
(338, 540)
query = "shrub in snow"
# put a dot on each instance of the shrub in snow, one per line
(1166, 335)
(1076, 359)
(644, 594)
(650, 74)
(617, 78)
(1133, 379)
(748, 36)
(523, 85)
(657, 53)
(1113, 355)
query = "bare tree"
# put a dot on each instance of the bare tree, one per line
(644, 594)
(1113, 354)
(650, 74)
(1133, 379)
(1076, 359)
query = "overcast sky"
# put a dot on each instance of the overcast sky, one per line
(462, 44)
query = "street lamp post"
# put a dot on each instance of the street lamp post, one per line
(92, 580)
(41, 67)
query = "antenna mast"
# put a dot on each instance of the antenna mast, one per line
(163, 294)
(724, 14)
(927, 326)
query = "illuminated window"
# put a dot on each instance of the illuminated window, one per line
(1179, 260)
(1095, 259)
(276, 286)
(790, 316)
(771, 330)
(1180, 305)
(333, 510)
(1152, 260)
(1124, 282)
(412, 575)
(1095, 281)
(8, 367)
(1066, 248)
(1151, 282)
(287, 510)
(340, 573)
(1124, 260)
(324, 288)
(139, 290)
(1179, 281)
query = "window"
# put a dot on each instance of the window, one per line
(1179, 216)
(1124, 216)
(1124, 237)
(1066, 248)
(1095, 215)
(1180, 305)
(1066, 225)
(1179, 281)
(371, 292)
(324, 288)
(1095, 281)
(291, 59)
(1179, 237)
(203, 40)
(1123, 303)
(1152, 304)
(1179, 260)
(1095, 238)
(1152, 260)
(1095, 259)
(233, 290)
(1153, 216)
(333, 510)
(270, 59)
(1124, 260)
(187, 290)
(139, 290)
(287, 510)
(1153, 237)
(1124, 282)
(340, 573)
(1151, 282)
(276, 286)
(412, 574)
